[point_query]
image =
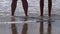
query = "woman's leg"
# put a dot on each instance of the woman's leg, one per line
(13, 7)
(25, 6)
(49, 7)
(41, 6)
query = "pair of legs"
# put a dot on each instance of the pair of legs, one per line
(25, 6)
(14, 5)
(49, 7)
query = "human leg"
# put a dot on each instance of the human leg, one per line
(41, 6)
(13, 7)
(25, 6)
(49, 7)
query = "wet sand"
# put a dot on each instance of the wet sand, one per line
(30, 25)
(31, 28)
(33, 24)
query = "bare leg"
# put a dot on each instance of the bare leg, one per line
(13, 6)
(49, 7)
(25, 6)
(41, 6)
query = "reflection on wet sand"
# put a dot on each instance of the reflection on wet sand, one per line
(14, 29)
(13, 26)
(25, 27)
(49, 27)
(41, 27)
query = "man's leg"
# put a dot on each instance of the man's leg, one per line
(49, 7)
(41, 6)
(25, 6)
(13, 7)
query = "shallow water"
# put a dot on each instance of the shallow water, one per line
(33, 24)
(29, 25)
(31, 28)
